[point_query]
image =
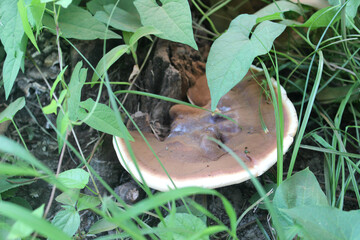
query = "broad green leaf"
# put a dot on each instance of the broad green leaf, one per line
(325, 222)
(102, 225)
(336, 94)
(74, 178)
(173, 19)
(321, 18)
(301, 189)
(68, 220)
(109, 59)
(194, 211)
(5, 226)
(120, 19)
(39, 224)
(103, 119)
(69, 198)
(86, 202)
(51, 108)
(75, 22)
(231, 55)
(35, 13)
(14, 40)
(351, 10)
(77, 81)
(62, 125)
(278, 7)
(142, 32)
(12, 109)
(21, 229)
(98, 5)
(24, 18)
(180, 226)
(6, 185)
(63, 3)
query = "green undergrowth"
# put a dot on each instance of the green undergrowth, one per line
(313, 53)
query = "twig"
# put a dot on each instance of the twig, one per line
(51, 199)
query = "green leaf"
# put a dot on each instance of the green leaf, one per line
(120, 19)
(194, 211)
(301, 189)
(51, 108)
(14, 40)
(5, 226)
(231, 55)
(75, 22)
(278, 6)
(181, 226)
(173, 19)
(24, 18)
(142, 32)
(102, 225)
(21, 229)
(77, 81)
(67, 220)
(58, 79)
(12, 109)
(63, 3)
(74, 178)
(321, 18)
(103, 119)
(6, 185)
(35, 13)
(69, 198)
(39, 225)
(275, 10)
(109, 59)
(98, 5)
(351, 10)
(86, 202)
(325, 222)
(62, 125)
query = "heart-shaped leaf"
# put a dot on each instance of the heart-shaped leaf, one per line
(103, 119)
(325, 222)
(12, 109)
(233, 52)
(75, 22)
(171, 17)
(74, 178)
(67, 220)
(120, 19)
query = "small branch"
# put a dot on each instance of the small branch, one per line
(52, 195)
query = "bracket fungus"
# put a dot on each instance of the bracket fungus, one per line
(192, 159)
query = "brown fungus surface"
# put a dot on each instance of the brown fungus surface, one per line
(191, 159)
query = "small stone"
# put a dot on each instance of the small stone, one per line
(130, 192)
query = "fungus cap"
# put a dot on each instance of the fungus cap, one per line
(191, 159)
